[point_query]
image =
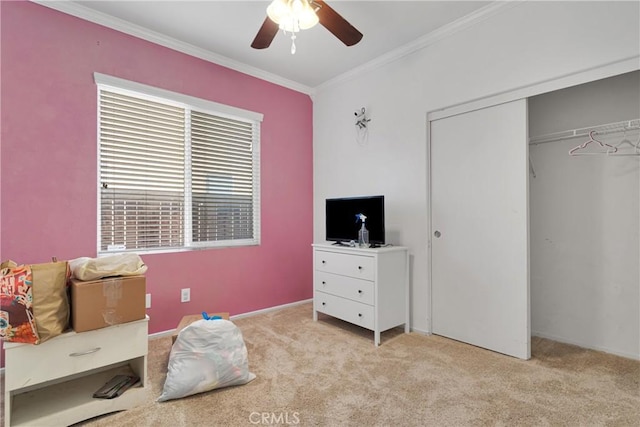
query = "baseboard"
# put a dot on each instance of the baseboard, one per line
(170, 332)
(420, 331)
(585, 345)
(267, 310)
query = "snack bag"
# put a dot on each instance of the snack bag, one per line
(17, 323)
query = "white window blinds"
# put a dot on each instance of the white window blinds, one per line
(171, 177)
(221, 178)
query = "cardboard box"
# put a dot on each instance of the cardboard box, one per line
(187, 320)
(106, 302)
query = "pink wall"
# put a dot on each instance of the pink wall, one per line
(49, 151)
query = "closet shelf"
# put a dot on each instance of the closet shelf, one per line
(606, 129)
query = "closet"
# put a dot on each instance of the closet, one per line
(534, 212)
(584, 204)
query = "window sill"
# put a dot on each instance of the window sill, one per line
(226, 245)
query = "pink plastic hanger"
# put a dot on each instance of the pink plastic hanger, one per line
(608, 148)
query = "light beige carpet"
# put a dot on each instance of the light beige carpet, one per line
(329, 373)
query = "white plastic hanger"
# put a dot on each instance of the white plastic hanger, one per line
(607, 148)
(625, 145)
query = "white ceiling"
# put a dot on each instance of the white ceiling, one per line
(222, 31)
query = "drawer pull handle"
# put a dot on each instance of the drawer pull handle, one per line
(324, 283)
(324, 262)
(359, 291)
(359, 314)
(84, 353)
(324, 303)
(359, 267)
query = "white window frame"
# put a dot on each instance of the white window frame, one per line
(126, 87)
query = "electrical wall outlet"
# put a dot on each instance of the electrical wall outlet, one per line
(185, 295)
(148, 301)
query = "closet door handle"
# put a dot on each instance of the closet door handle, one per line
(437, 234)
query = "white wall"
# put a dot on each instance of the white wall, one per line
(585, 236)
(522, 44)
(602, 101)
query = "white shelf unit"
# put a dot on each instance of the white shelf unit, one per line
(53, 383)
(364, 286)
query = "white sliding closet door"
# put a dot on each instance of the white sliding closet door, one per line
(479, 218)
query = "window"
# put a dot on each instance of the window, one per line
(175, 172)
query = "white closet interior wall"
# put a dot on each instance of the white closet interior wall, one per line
(584, 221)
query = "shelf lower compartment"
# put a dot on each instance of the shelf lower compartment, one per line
(72, 401)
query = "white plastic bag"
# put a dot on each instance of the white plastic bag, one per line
(126, 264)
(207, 354)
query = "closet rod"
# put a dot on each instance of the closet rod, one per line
(628, 125)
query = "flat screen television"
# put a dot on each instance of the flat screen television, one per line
(342, 223)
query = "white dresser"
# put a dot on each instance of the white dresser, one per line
(366, 287)
(52, 384)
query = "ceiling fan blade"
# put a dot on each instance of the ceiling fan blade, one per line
(337, 25)
(265, 35)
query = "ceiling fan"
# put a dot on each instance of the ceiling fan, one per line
(294, 15)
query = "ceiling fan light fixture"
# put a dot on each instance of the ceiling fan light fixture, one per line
(307, 17)
(292, 15)
(295, 15)
(277, 10)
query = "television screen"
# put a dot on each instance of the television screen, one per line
(342, 223)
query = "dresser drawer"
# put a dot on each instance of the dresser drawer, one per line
(72, 353)
(358, 266)
(350, 311)
(343, 286)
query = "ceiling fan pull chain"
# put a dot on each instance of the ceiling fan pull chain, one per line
(293, 43)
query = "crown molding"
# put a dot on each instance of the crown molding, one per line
(126, 27)
(420, 43)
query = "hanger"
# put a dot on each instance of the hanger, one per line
(625, 141)
(609, 149)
